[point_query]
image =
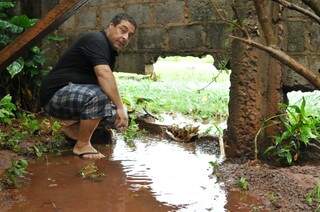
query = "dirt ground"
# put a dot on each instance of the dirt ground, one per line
(279, 188)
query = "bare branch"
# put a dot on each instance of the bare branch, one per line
(313, 78)
(299, 9)
(314, 5)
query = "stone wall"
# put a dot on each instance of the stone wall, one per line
(166, 27)
(303, 43)
(188, 27)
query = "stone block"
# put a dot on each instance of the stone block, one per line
(107, 14)
(314, 62)
(151, 38)
(186, 37)
(94, 3)
(294, 81)
(130, 63)
(68, 24)
(140, 12)
(217, 35)
(296, 39)
(201, 10)
(87, 18)
(171, 11)
(315, 37)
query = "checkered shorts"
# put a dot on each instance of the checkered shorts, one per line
(80, 102)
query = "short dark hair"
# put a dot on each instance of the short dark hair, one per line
(123, 17)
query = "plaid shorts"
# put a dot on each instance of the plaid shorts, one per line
(81, 102)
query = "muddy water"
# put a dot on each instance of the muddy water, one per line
(155, 175)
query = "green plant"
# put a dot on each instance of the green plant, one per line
(214, 165)
(131, 133)
(12, 140)
(299, 128)
(243, 183)
(314, 196)
(22, 77)
(17, 170)
(30, 123)
(56, 134)
(6, 109)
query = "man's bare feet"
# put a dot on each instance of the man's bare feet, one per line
(87, 151)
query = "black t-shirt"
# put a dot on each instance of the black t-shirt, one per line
(77, 64)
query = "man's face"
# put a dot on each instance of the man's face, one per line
(120, 35)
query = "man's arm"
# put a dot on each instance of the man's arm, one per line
(108, 84)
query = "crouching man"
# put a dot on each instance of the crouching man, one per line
(81, 88)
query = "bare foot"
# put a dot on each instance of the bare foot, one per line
(87, 151)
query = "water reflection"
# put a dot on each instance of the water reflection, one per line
(175, 176)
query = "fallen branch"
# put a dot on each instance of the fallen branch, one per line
(295, 7)
(285, 59)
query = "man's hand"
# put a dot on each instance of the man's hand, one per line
(121, 121)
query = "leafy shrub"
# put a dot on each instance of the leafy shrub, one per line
(299, 129)
(22, 77)
(12, 140)
(30, 123)
(6, 109)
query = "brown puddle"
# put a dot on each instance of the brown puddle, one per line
(242, 202)
(156, 175)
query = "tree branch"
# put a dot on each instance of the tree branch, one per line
(285, 59)
(314, 5)
(295, 7)
(264, 13)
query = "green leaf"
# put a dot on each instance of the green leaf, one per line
(289, 158)
(36, 50)
(4, 39)
(22, 21)
(6, 5)
(16, 67)
(296, 108)
(5, 25)
(270, 148)
(56, 38)
(3, 15)
(39, 59)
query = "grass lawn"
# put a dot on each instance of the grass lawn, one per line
(179, 87)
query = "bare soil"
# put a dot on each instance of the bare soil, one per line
(279, 188)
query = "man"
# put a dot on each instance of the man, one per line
(81, 88)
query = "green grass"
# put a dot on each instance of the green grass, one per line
(177, 89)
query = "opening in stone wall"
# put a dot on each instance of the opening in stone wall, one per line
(204, 89)
(312, 101)
(188, 87)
